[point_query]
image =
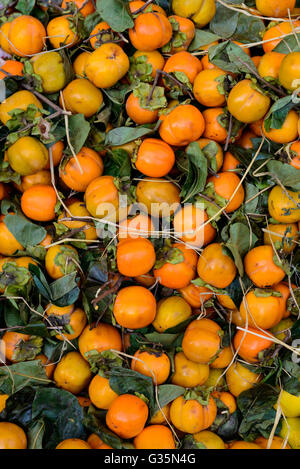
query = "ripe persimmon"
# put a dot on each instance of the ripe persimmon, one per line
(215, 266)
(151, 31)
(179, 274)
(134, 307)
(261, 268)
(252, 344)
(152, 363)
(184, 62)
(207, 86)
(99, 337)
(38, 203)
(154, 437)
(139, 114)
(127, 416)
(182, 125)
(228, 186)
(79, 172)
(100, 392)
(261, 309)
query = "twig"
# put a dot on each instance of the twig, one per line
(228, 133)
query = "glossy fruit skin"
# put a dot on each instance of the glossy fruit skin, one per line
(19, 100)
(12, 436)
(159, 418)
(239, 378)
(137, 113)
(77, 209)
(91, 165)
(291, 431)
(154, 58)
(134, 307)
(127, 416)
(73, 443)
(284, 289)
(225, 185)
(138, 226)
(196, 296)
(230, 162)
(283, 236)
(27, 35)
(227, 398)
(107, 65)
(72, 373)
(185, 26)
(96, 443)
(187, 225)
(277, 443)
(206, 88)
(99, 193)
(201, 340)
(106, 34)
(209, 439)
(243, 445)
(4, 43)
(3, 399)
(27, 156)
(178, 275)
(280, 29)
(11, 340)
(8, 243)
(277, 8)
(189, 374)
(100, 392)
(250, 346)
(135, 257)
(269, 65)
(223, 359)
(80, 63)
(41, 177)
(59, 260)
(155, 158)
(38, 203)
(100, 338)
(260, 267)
(247, 104)
(289, 73)
(57, 153)
(226, 302)
(60, 32)
(200, 11)
(77, 318)
(170, 312)
(183, 125)
(190, 416)
(287, 133)
(50, 68)
(151, 31)
(155, 437)
(184, 62)
(154, 364)
(290, 404)
(49, 367)
(295, 155)
(82, 97)
(84, 7)
(281, 205)
(215, 267)
(11, 66)
(261, 311)
(213, 129)
(158, 193)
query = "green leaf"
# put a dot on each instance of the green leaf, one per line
(15, 377)
(224, 22)
(79, 129)
(202, 38)
(239, 243)
(117, 164)
(65, 291)
(93, 422)
(288, 44)
(231, 57)
(287, 174)
(62, 414)
(278, 112)
(125, 381)
(35, 434)
(122, 135)
(26, 232)
(25, 6)
(196, 172)
(166, 394)
(258, 413)
(116, 13)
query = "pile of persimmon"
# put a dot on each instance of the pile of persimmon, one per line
(149, 225)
